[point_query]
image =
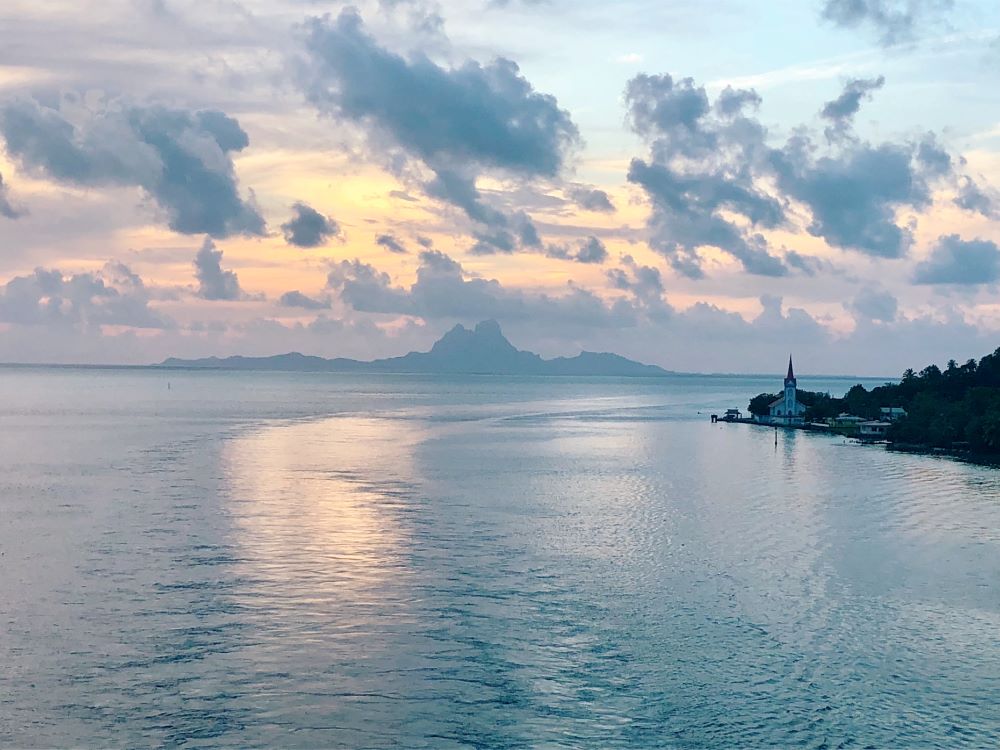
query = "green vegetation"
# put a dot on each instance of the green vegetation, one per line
(957, 408)
(821, 405)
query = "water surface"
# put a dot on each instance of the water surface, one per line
(267, 559)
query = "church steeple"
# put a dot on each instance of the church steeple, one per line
(790, 377)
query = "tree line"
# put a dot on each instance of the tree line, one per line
(958, 407)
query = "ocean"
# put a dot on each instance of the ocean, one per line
(226, 559)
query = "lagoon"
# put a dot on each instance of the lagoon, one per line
(304, 560)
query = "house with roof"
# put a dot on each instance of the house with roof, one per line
(892, 413)
(874, 430)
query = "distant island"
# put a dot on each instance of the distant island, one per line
(955, 410)
(483, 350)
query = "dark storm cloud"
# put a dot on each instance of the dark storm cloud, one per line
(443, 290)
(298, 299)
(591, 199)
(214, 283)
(308, 227)
(390, 243)
(7, 209)
(708, 164)
(115, 296)
(876, 304)
(894, 20)
(181, 159)
(459, 123)
(958, 261)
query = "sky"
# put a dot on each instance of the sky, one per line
(707, 186)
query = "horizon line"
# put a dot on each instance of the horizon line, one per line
(186, 368)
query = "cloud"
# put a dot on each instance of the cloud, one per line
(872, 303)
(591, 199)
(298, 299)
(894, 20)
(713, 180)
(978, 199)
(590, 250)
(841, 111)
(308, 227)
(853, 194)
(391, 244)
(443, 290)
(958, 261)
(644, 283)
(181, 159)
(700, 177)
(213, 282)
(115, 296)
(460, 122)
(488, 115)
(7, 209)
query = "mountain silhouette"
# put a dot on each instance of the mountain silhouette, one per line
(483, 350)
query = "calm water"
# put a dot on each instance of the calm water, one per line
(251, 560)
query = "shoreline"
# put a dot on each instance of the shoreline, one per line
(966, 456)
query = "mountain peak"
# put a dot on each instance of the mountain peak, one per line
(485, 337)
(480, 350)
(488, 328)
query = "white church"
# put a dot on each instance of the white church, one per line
(787, 409)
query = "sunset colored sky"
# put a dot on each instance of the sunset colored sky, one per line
(706, 186)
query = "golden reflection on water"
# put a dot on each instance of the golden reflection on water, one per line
(309, 523)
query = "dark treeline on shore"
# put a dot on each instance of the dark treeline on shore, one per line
(954, 408)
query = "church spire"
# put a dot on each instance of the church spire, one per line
(791, 372)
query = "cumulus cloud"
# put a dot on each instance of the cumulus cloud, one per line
(590, 250)
(957, 261)
(644, 283)
(841, 111)
(853, 194)
(308, 227)
(114, 296)
(214, 283)
(872, 303)
(590, 199)
(181, 159)
(459, 123)
(713, 180)
(298, 299)
(978, 199)
(488, 115)
(7, 209)
(443, 290)
(390, 243)
(894, 20)
(700, 174)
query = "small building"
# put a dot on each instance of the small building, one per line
(787, 410)
(892, 413)
(875, 429)
(733, 414)
(846, 421)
